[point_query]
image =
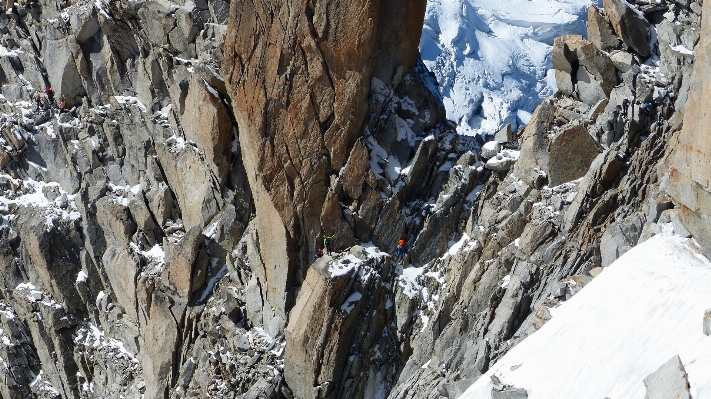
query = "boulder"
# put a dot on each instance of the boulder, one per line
(262, 389)
(563, 61)
(589, 89)
(534, 141)
(490, 149)
(629, 24)
(505, 135)
(600, 31)
(669, 381)
(571, 154)
(541, 316)
(579, 63)
(503, 160)
(623, 60)
(160, 202)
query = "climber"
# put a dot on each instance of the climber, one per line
(647, 108)
(427, 210)
(319, 253)
(50, 94)
(401, 249)
(38, 101)
(62, 105)
(327, 243)
(625, 105)
(252, 216)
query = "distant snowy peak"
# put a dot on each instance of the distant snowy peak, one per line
(492, 57)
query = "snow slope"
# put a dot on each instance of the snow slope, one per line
(642, 310)
(492, 57)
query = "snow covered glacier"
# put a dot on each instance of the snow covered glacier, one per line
(492, 57)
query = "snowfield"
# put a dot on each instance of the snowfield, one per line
(639, 312)
(492, 58)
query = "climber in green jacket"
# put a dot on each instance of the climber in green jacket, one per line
(327, 243)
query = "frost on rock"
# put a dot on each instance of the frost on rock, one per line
(49, 199)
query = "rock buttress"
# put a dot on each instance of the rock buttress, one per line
(690, 177)
(299, 75)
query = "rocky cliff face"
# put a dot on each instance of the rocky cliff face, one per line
(299, 73)
(690, 169)
(158, 238)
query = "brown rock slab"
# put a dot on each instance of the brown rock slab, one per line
(629, 24)
(299, 75)
(353, 174)
(571, 154)
(600, 32)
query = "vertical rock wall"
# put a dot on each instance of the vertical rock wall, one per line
(299, 75)
(690, 177)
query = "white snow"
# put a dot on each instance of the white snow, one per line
(492, 146)
(492, 58)
(456, 246)
(155, 254)
(645, 308)
(681, 49)
(130, 101)
(212, 282)
(100, 6)
(81, 277)
(505, 281)
(94, 337)
(351, 302)
(503, 157)
(210, 230)
(344, 265)
(347, 263)
(32, 195)
(408, 280)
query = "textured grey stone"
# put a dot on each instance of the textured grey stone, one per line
(509, 393)
(669, 381)
(629, 24)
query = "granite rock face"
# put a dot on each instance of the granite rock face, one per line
(690, 168)
(159, 237)
(299, 75)
(629, 24)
